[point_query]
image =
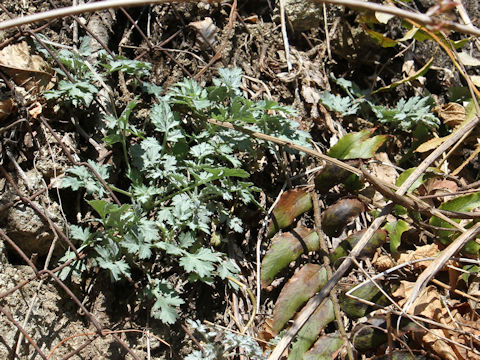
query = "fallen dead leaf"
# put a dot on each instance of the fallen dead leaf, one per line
(419, 253)
(25, 69)
(468, 60)
(385, 170)
(475, 79)
(6, 108)
(206, 31)
(452, 114)
(408, 67)
(35, 110)
(436, 185)
(430, 304)
(385, 262)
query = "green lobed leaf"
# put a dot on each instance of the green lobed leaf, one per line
(79, 233)
(343, 105)
(200, 262)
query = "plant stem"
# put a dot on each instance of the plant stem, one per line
(121, 191)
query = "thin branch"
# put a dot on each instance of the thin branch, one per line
(423, 19)
(111, 4)
(84, 8)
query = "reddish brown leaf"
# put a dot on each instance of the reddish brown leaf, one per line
(338, 215)
(332, 175)
(301, 287)
(285, 248)
(291, 204)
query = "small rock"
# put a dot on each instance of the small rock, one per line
(303, 15)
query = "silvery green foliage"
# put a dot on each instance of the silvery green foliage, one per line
(86, 74)
(407, 115)
(223, 345)
(183, 179)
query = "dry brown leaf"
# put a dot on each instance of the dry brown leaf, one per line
(384, 171)
(432, 144)
(438, 346)
(310, 94)
(421, 252)
(408, 67)
(452, 114)
(467, 59)
(430, 305)
(436, 185)
(6, 108)
(251, 19)
(386, 262)
(266, 334)
(25, 69)
(206, 31)
(383, 262)
(35, 110)
(475, 79)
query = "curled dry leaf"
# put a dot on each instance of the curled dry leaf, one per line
(452, 114)
(35, 110)
(266, 334)
(337, 216)
(6, 108)
(285, 248)
(467, 59)
(439, 185)
(206, 31)
(385, 262)
(26, 70)
(301, 287)
(291, 204)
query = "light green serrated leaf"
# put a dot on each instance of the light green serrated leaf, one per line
(200, 262)
(79, 233)
(342, 105)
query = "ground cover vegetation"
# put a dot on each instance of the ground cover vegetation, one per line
(284, 180)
